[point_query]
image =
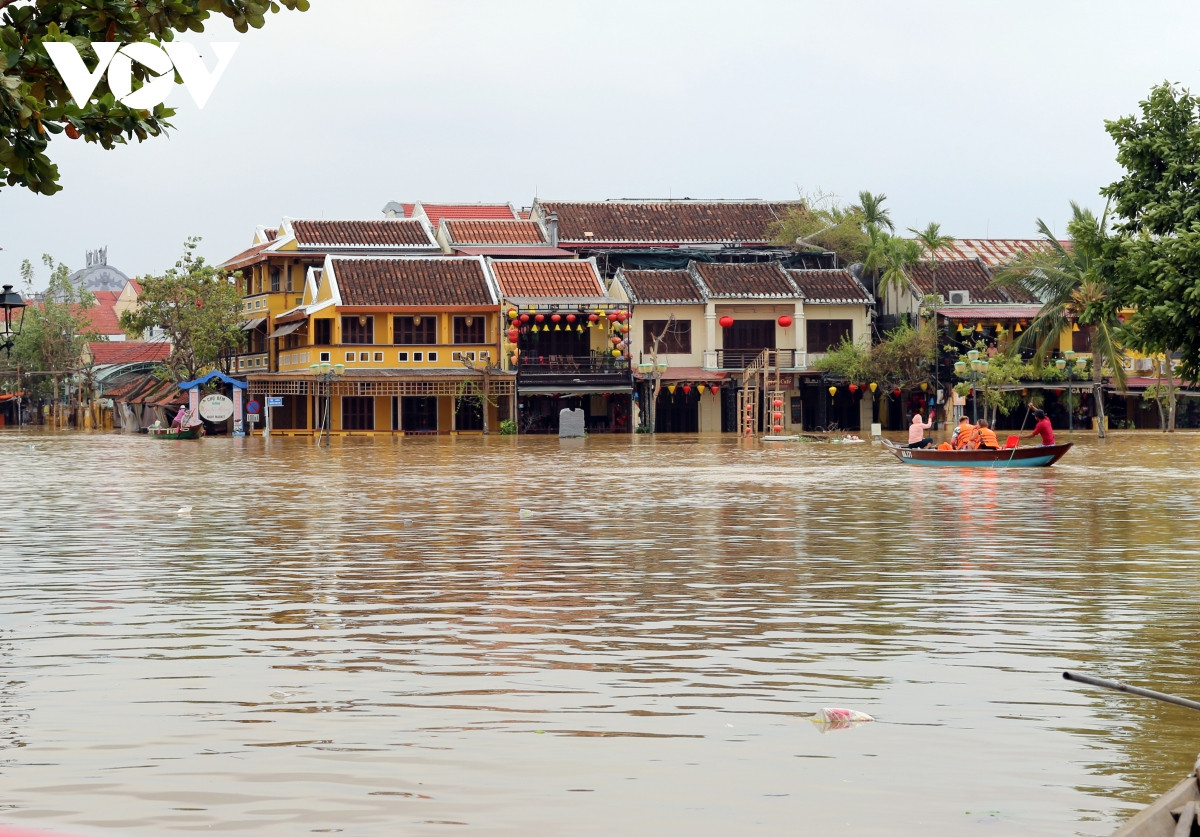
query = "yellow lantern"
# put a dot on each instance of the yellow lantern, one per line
(671, 388)
(700, 388)
(534, 330)
(616, 352)
(924, 386)
(1074, 326)
(874, 386)
(833, 390)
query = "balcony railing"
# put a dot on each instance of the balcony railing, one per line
(741, 358)
(592, 364)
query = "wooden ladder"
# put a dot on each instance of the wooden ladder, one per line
(761, 376)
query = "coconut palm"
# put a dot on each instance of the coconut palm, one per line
(932, 239)
(1069, 281)
(873, 213)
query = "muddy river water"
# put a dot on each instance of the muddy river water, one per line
(617, 635)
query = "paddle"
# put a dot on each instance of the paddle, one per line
(1133, 690)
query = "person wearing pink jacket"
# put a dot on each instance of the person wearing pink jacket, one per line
(916, 431)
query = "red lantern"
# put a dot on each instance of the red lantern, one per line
(853, 388)
(896, 392)
(540, 317)
(687, 389)
(624, 329)
(554, 318)
(715, 388)
(777, 428)
(777, 415)
(512, 335)
(785, 321)
(593, 318)
(622, 316)
(749, 408)
(524, 318)
(612, 316)
(616, 341)
(570, 318)
(778, 402)
(726, 321)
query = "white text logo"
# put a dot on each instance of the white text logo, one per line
(118, 60)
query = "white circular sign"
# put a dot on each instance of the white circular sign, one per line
(215, 407)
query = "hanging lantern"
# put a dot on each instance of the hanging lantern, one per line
(592, 318)
(872, 386)
(671, 388)
(624, 329)
(616, 341)
(534, 330)
(778, 402)
(726, 321)
(687, 389)
(554, 318)
(1017, 328)
(785, 321)
(622, 316)
(612, 316)
(616, 353)
(1024, 392)
(700, 388)
(777, 428)
(896, 392)
(512, 335)
(777, 415)
(1074, 326)
(579, 328)
(570, 318)
(853, 388)
(979, 326)
(512, 313)
(749, 408)
(833, 391)
(715, 388)
(557, 327)
(524, 318)
(924, 386)
(539, 317)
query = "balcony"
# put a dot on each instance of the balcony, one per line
(733, 359)
(593, 372)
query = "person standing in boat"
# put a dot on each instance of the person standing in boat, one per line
(916, 431)
(1041, 428)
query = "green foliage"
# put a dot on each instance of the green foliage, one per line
(508, 427)
(197, 308)
(35, 105)
(1155, 262)
(825, 225)
(900, 359)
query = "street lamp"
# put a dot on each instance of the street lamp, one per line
(326, 373)
(10, 301)
(1062, 363)
(977, 367)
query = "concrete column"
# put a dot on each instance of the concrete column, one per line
(239, 427)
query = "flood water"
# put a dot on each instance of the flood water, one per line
(617, 635)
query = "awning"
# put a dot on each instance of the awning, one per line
(568, 391)
(284, 331)
(250, 325)
(686, 373)
(989, 312)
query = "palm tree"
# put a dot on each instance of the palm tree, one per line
(874, 215)
(932, 240)
(1069, 281)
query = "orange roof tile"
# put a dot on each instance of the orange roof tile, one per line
(387, 232)
(666, 222)
(439, 280)
(128, 351)
(435, 212)
(829, 286)
(754, 279)
(547, 278)
(102, 319)
(660, 286)
(494, 232)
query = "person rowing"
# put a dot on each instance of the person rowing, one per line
(1041, 428)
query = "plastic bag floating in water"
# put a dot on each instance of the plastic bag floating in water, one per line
(831, 718)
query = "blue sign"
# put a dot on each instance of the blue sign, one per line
(274, 400)
(252, 407)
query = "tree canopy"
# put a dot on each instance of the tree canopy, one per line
(1154, 261)
(36, 106)
(197, 308)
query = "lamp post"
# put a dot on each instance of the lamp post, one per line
(10, 301)
(326, 374)
(1065, 362)
(977, 366)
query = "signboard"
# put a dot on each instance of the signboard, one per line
(253, 417)
(252, 407)
(274, 400)
(215, 407)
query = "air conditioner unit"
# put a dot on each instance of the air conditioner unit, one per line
(960, 298)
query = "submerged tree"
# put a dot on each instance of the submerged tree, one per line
(1072, 281)
(35, 104)
(196, 308)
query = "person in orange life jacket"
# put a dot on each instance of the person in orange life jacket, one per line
(916, 431)
(1042, 428)
(962, 433)
(987, 436)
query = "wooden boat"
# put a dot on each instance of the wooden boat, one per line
(1174, 814)
(196, 431)
(1030, 456)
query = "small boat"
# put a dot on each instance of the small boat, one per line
(1030, 456)
(1173, 814)
(196, 431)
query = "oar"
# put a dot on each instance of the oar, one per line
(1133, 690)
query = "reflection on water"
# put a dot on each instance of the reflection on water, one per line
(611, 635)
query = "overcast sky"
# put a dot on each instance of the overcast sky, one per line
(982, 116)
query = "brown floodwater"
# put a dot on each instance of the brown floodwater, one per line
(617, 635)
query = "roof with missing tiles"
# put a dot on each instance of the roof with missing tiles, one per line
(830, 286)
(402, 282)
(547, 278)
(759, 279)
(962, 275)
(665, 222)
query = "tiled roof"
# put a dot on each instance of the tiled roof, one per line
(993, 252)
(494, 232)
(438, 280)
(756, 279)
(829, 286)
(435, 212)
(388, 232)
(666, 222)
(128, 351)
(107, 298)
(964, 275)
(660, 286)
(102, 319)
(245, 257)
(547, 278)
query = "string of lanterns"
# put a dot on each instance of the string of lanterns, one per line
(536, 322)
(784, 321)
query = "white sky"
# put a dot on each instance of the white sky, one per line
(981, 115)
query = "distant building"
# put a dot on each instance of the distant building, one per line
(99, 275)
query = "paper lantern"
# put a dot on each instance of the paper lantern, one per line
(777, 427)
(616, 341)
(726, 321)
(593, 317)
(612, 316)
(534, 330)
(539, 317)
(524, 318)
(554, 318)
(579, 328)
(671, 388)
(896, 392)
(785, 321)
(778, 402)
(853, 388)
(512, 335)
(749, 408)
(622, 316)
(924, 386)
(1017, 328)
(687, 389)
(873, 386)
(616, 352)
(624, 329)
(512, 313)
(570, 318)
(979, 326)
(700, 388)
(777, 415)
(833, 390)
(715, 388)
